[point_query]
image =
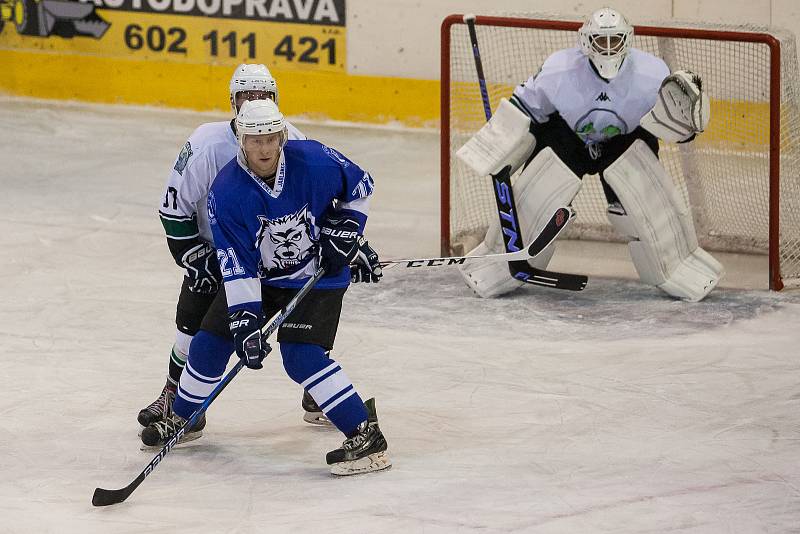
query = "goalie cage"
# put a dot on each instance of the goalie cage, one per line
(741, 177)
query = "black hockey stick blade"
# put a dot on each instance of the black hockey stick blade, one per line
(557, 223)
(105, 497)
(523, 271)
(539, 277)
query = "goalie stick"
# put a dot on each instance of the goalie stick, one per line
(105, 497)
(504, 199)
(557, 223)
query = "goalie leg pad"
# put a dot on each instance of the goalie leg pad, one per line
(664, 250)
(504, 140)
(545, 185)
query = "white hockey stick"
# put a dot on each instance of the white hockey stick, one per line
(557, 223)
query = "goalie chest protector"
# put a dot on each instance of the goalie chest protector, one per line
(596, 109)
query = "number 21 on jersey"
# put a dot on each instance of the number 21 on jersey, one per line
(227, 259)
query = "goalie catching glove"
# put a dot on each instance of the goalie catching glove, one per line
(251, 346)
(682, 109)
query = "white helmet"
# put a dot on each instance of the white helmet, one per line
(260, 117)
(605, 38)
(252, 77)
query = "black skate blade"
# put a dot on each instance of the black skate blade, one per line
(187, 438)
(317, 418)
(375, 462)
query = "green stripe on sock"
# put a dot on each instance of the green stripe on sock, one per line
(177, 359)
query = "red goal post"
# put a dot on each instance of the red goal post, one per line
(732, 177)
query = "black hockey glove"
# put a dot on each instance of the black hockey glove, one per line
(251, 346)
(338, 241)
(366, 266)
(202, 268)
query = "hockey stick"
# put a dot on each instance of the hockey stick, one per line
(506, 207)
(557, 223)
(104, 497)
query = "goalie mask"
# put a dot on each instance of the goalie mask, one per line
(252, 77)
(605, 37)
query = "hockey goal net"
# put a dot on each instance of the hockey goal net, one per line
(741, 177)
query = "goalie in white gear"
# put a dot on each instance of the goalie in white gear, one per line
(183, 214)
(598, 108)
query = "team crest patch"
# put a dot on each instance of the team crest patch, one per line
(600, 125)
(285, 242)
(211, 204)
(183, 158)
(336, 156)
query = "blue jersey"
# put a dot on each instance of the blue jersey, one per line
(269, 235)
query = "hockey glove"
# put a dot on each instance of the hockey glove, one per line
(202, 268)
(251, 346)
(366, 266)
(338, 241)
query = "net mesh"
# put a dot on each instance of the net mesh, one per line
(724, 174)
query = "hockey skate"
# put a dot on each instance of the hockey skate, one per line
(159, 433)
(363, 452)
(157, 409)
(313, 414)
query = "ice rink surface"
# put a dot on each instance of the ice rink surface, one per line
(611, 410)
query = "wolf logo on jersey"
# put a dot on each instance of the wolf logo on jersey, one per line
(290, 243)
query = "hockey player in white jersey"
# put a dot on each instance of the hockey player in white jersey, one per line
(277, 211)
(599, 108)
(182, 211)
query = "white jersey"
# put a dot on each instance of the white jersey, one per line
(183, 206)
(595, 108)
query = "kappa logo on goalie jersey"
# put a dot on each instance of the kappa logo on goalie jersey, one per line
(602, 97)
(285, 242)
(183, 158)
(365, 187)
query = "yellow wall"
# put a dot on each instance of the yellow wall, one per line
(335, 96)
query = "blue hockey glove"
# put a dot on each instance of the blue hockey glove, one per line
(250, 344)
(366, 266)
(202, 268)
(338, 241)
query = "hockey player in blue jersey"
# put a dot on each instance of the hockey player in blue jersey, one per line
(277, 211)
(182, 211)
